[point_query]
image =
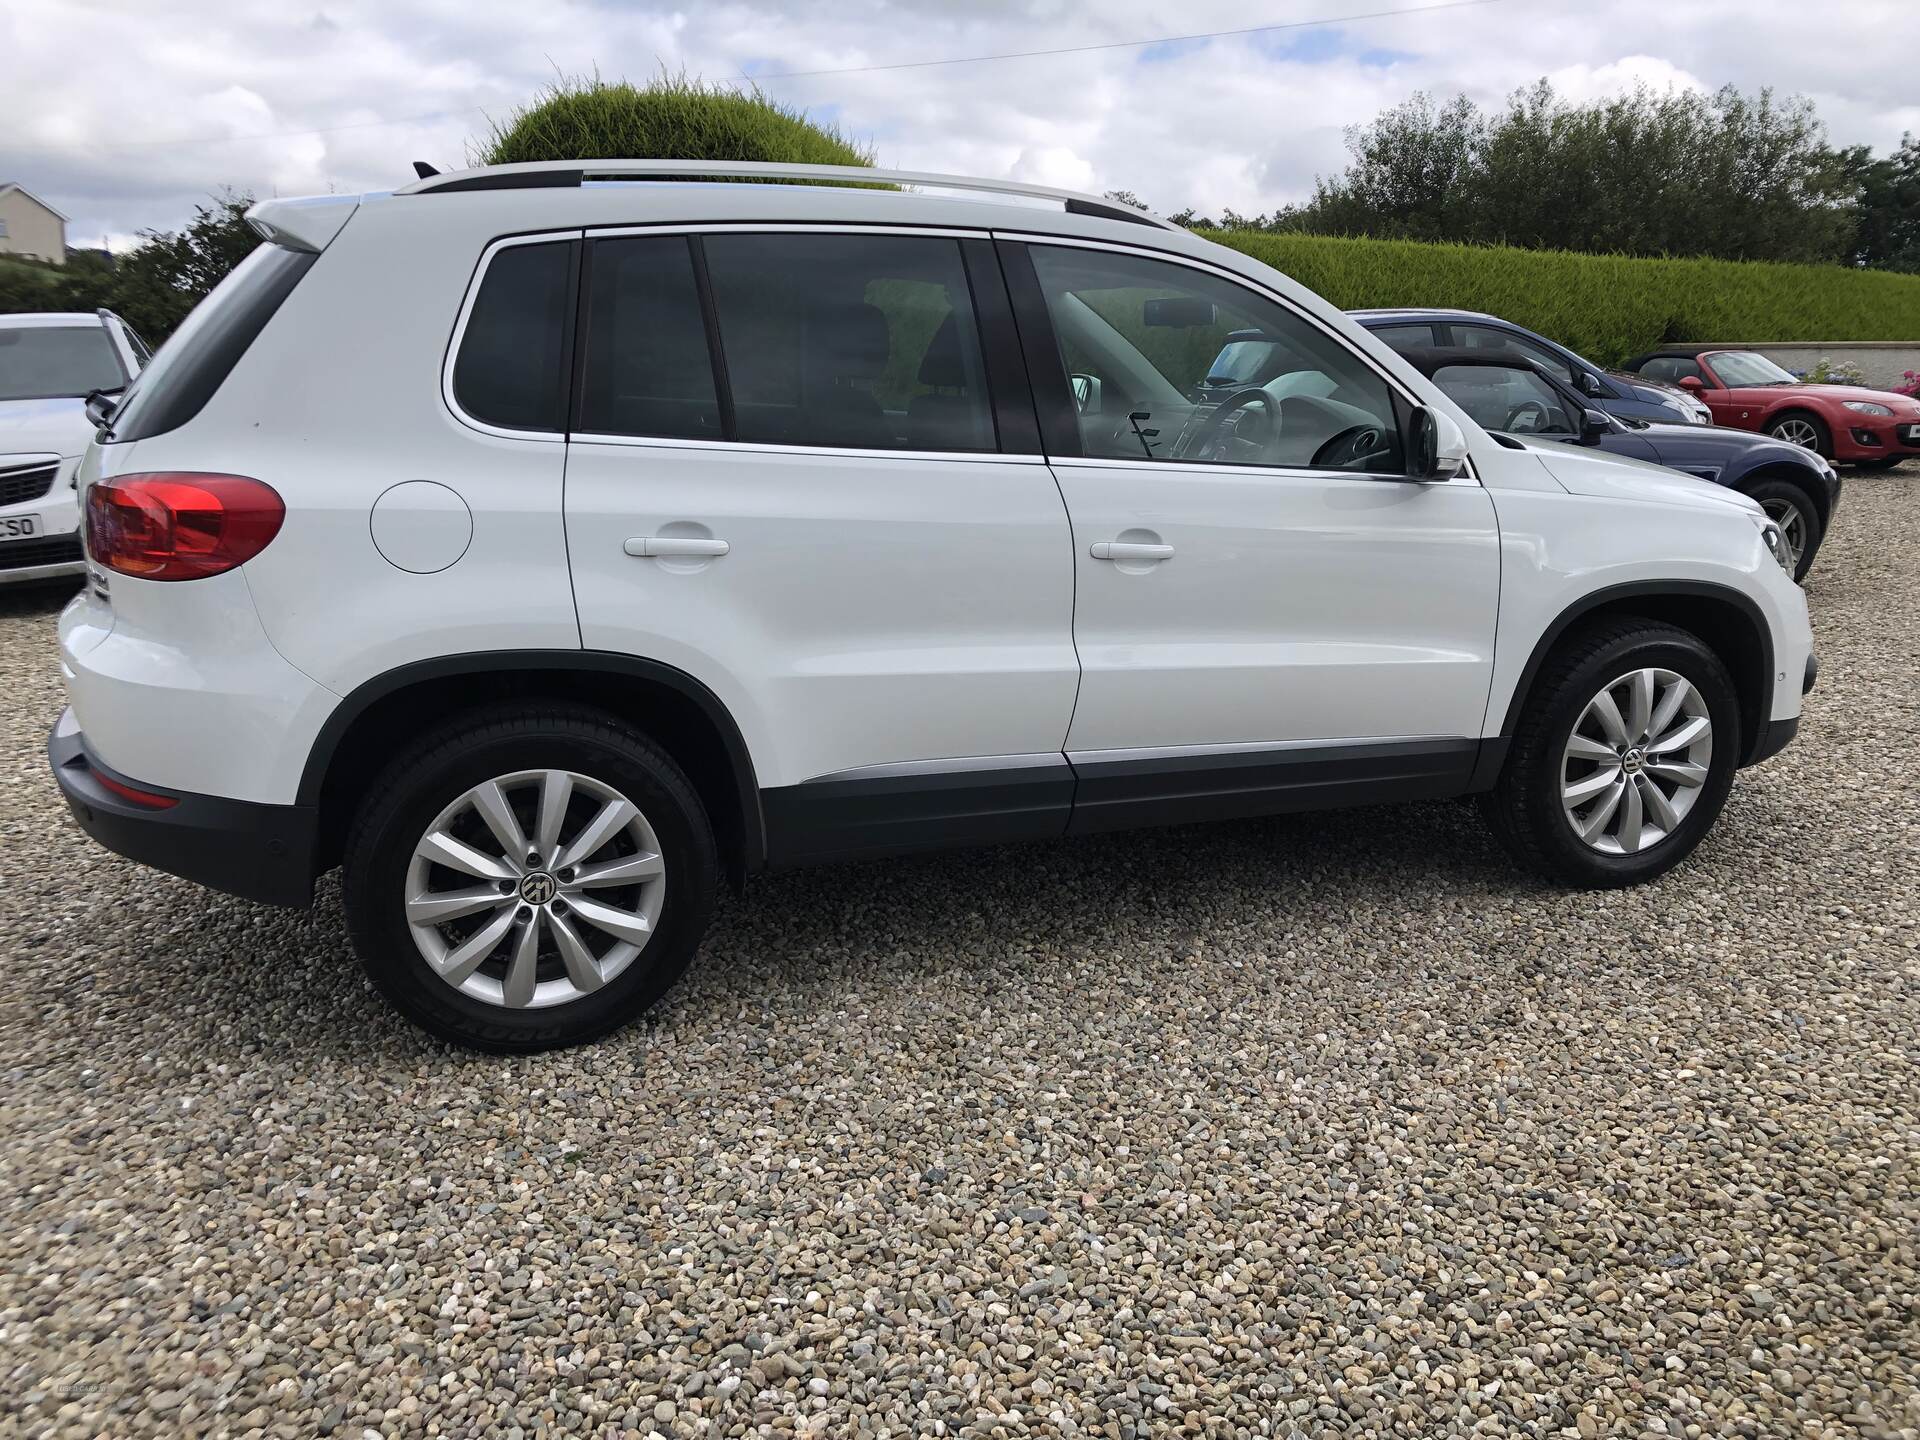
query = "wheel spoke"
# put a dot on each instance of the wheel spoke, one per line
(556, 788)
(1681, 736)
(1607, 713)
(1669, 707)
(1680, 772)
(524, 968)
(624, 924)
(1596, 823)
(436, 907)
(443, 849)
(582, 969)
(491, 801)
(1580, 747)
(462, 962)
(613, 816)
(1584, 789)
(1656, 804)
(1631, 819)
(1639, 704)
(625, 871)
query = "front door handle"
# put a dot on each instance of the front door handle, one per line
(657, 545)
(1129, 550)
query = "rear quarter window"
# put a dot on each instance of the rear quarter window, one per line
(190, 367)
(513, 366)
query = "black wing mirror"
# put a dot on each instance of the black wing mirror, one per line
(1593, 425)
(101, 405)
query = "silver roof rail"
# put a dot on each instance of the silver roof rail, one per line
(566, 173)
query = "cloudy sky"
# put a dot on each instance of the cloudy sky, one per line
(122, 115)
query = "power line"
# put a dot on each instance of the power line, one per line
(1133, 44)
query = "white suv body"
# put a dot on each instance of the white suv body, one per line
(49, 361)
(821, 522)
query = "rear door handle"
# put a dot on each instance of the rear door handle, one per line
(1129, 550)
(650, 545)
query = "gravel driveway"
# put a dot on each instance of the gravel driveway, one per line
(1327, 1125)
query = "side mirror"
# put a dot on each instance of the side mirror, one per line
(101, 405)
(1086, 394)
(1438, 449)
(1593, 425)
(1693, 383)
(1590, 383)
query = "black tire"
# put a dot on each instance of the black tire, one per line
(479, 746)
(1822, 436)
(1880, 462)
(1773, 493)
(1523, 809)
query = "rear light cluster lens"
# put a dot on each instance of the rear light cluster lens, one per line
(178, 525)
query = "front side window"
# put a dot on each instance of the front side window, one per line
(1738, 368)
(1170, 363)
(1405, 337)
(1516, 401)
(1485, 337)
(648, 370)
(512, 366)
(1671, 368)
(853, 341)
(43, 362)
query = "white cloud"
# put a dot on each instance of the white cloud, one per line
(125, 114)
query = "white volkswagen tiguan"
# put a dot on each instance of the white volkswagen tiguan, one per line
(49, 363)
(544, 544)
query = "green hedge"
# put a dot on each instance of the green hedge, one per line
(1607, 307)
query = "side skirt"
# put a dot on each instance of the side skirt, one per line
(897, 809)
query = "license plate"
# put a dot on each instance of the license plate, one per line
(1910, 434)
(18, 527)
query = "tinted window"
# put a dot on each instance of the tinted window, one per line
(1139, 338)
(1405, 337)
(1516, 401)
(861, 341)
(648, 370)
(512, 367)
(39, 362)
(209, 343)
(1481, 337)
(1671, 368)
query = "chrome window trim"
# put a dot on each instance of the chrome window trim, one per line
(474, 282)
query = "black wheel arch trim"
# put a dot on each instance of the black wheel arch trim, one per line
(1653, 590)
(603, 662)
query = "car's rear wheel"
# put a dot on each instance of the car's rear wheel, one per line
(1622, 758)
(1809, 432)
(530, 877)
(1793, 510)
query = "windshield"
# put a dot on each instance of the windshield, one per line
(1743, 367)
(44, 362)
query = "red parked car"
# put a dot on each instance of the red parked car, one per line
(1848, 423)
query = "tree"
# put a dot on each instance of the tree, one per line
(1887, 234)
(155, 284)
(674, 118)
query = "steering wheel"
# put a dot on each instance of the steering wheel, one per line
(1350, 449)
(1212, 436)
(1527, 417)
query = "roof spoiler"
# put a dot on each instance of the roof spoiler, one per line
(307, 224)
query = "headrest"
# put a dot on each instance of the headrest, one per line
(943, 366)
(856, 342)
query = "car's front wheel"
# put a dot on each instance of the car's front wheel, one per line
(1622, 758)
(1793, 510)
(1809, 432)
(529, 877)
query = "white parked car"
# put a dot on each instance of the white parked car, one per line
(49, 362)
(546, 550)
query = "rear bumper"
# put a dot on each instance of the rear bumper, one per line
(259, 852)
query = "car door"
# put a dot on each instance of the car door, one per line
(1269, 612)
(792, 477)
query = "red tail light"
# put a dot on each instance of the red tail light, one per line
(177, 525)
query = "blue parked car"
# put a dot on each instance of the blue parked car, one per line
(1509, 394)
(1631, 397)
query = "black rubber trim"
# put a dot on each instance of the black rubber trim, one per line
(1014, 416)
(1180, 789)
(1657, 589)
(858, 816)
(1775, 736)
(521, 180)
(258, 852)
(1046, 370)
(1098, 211)
(753, 829)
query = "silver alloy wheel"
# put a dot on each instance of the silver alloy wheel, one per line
(1636, 761)
(1793, 527)
(535, 888)
(1796, 431)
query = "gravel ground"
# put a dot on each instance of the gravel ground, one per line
(1324, 1125)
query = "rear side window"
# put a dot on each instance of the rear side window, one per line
(209, 343)
(857, 341)
(514, 354)
(648, 369)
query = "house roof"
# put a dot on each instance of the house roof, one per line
(6, 185)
